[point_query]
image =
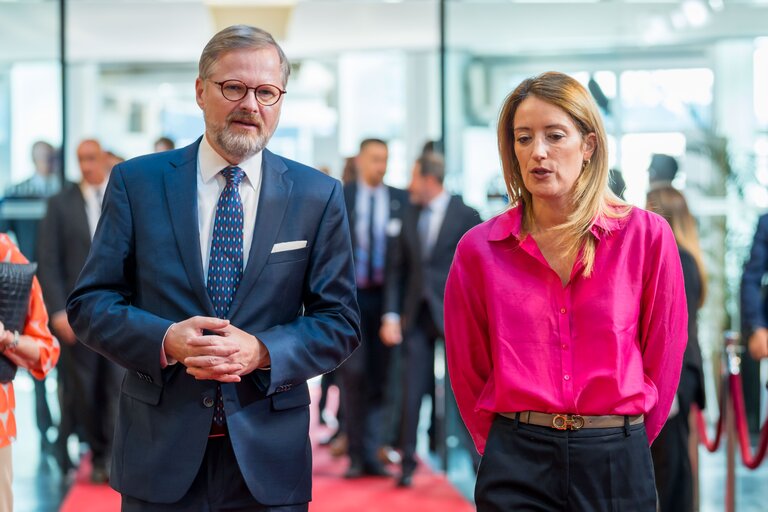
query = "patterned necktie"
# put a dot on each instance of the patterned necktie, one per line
(225, 266)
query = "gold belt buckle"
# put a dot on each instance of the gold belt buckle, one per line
(567, 422)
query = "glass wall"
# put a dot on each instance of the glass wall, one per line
(30, 113)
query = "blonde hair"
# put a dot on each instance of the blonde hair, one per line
(670, 203)
(591, 197)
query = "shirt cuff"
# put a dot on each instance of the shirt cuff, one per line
(164, 359)
(390, 317)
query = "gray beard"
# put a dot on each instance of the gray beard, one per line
(240, 146)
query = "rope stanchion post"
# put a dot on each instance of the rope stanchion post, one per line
(733, 362)
(732, 421)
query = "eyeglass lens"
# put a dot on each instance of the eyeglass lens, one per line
(235, 90)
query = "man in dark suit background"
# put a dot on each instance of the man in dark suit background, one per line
(221, 278)
(89, 382)
(419, 265)
(375, 213)
(754, 307)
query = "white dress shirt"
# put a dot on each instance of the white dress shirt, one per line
(210, 184)
(93, 195)
(380, 220)
(437, 206)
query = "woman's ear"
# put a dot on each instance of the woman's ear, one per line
(590, 143)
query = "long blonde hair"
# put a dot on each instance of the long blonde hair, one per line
(670, 203)
(591, 197)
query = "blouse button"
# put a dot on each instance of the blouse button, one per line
(562, 310)
(567, 377)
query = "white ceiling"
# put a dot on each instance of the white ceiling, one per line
(176, 30)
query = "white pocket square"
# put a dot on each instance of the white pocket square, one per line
(289, 246)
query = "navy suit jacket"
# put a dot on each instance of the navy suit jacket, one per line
(144, 272)
(398, 201)
(754, 311)
(410, 277)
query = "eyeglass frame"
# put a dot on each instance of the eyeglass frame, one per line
(247, 88)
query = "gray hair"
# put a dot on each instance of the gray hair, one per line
(432, 163)
(240, 37)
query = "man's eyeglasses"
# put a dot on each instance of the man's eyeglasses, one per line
(235, 90)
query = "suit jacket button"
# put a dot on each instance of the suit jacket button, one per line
(208, 402)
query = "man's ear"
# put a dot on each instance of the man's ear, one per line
(199, 87)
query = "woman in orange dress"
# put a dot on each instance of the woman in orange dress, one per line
(34, 349)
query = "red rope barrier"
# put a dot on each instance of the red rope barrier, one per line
(750, 460)
(701, 424)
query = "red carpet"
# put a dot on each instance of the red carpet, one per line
(431, 492)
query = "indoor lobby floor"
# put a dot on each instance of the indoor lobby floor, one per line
(39, 486)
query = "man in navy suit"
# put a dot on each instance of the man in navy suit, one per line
(375, 211)
(418, 269)
(221, 278)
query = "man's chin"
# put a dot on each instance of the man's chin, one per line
(243, 150)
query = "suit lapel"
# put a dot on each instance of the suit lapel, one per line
(81, 221)
(273, 201)
(350, 197)
(181, 192)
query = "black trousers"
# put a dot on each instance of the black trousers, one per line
(363, 379)
(418, 379)
(531, 468)
(218, 487)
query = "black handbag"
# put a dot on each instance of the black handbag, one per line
(15, 287)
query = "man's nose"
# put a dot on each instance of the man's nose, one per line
(249, 102)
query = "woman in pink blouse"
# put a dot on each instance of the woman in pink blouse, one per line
(565, 319)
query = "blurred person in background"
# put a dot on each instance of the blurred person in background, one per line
(671, 459)
(89, 383)
(164, 144)
(45, 182)
(565, 319)
(34, 349)
(661, 171)
(616, 183)
(432, 226)
(349, 173)
(112, 159)
(375, 217)
(754, 307)
(221, 278)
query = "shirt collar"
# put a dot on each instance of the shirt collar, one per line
(211, 163)
(363, 186)
(440, 201)
(89, 190)
(510, 223)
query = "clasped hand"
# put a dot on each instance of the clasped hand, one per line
(224, 353)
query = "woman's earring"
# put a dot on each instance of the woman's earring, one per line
(584, 164)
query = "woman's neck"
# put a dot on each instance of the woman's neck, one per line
(546, 215)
